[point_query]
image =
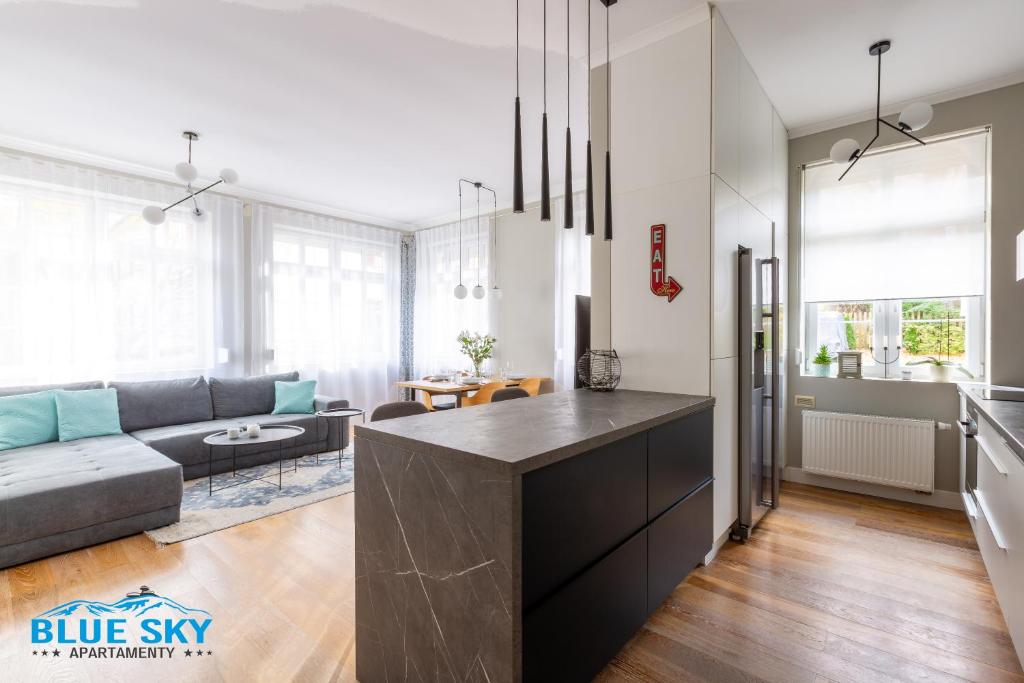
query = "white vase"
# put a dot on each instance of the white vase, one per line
(941, 373)
(821, 370)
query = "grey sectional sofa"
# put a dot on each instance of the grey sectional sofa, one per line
(59, 496)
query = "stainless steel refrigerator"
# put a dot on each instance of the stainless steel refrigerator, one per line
(760, 394)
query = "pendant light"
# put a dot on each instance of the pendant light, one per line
(913, 118)
(460, 289)
(517, 155)
(187, 173)
(567, 197)
(545, 180)
(608, 120)
(589, 218)
(495, 289)
(478, 291)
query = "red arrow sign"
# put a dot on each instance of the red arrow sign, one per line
(661, 284)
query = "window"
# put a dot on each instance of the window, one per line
(894, 256)
(88, 290)
(329, 304)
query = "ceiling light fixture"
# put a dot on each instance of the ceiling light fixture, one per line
(479, 291)
(545, 179)
(589, 218)
(187, 173)
(913, 118)
(608, 120)
(517, 164)
(567, 197)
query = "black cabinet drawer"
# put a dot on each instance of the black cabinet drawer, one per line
(572, 635)
(576, 510)
(678, 541)
(680, 458)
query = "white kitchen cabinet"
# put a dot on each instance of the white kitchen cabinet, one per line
(755, 154)
(725, 61)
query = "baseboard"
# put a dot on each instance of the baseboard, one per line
(940, 499)
(716, 546)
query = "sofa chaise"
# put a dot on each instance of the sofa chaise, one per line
(59, 496)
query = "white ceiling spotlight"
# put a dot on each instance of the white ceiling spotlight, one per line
(187, 173)
(913, 118)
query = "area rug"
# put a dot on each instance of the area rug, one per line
(202, 513)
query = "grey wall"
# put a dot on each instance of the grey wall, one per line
(1002, 110)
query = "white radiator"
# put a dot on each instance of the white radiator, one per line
(882, 450)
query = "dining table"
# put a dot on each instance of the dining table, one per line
(457, 389)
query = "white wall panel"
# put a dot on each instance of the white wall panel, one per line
(664, 346)
(726, 102)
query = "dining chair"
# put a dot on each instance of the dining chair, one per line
(389, 411)
(428, 401)
(483, 394)
(531, 385)
(508, 393)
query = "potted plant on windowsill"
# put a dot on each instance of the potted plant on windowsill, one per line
(821, 364)
(478, 348)
(941, 369)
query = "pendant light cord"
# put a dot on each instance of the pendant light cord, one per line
(517, 48)
(608, 74)
(478, 236)
(545, 56)
(589, 2)
(568, 66)
(460, 232)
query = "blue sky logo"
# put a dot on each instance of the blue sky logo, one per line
(141, 625)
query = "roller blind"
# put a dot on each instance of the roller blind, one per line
(903, 224)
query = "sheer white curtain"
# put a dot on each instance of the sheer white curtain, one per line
(326, 303)
(572, 278)
(439, 316)
(903, 224)
(88, 290)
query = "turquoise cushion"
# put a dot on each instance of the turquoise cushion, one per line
(27, 419)
(294, 397)
(81, 414)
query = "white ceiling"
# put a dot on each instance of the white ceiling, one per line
(811, 56)
(374, 108)
(371, 107)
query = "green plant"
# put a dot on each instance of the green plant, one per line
(477, 347)
(932, 360)
(851, 334)
(823, 357)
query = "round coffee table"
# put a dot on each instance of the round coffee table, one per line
(339, 414)
(270, 434)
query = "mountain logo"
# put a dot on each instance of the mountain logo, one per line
(141, 624)
(135, 603)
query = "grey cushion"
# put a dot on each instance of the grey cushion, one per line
(77, 386)
(508, 393)
(184, 443)
(143, 405)
(389, 411)
(238, 397)
(57, 487)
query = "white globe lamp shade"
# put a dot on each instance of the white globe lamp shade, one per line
(496, 292)
(461, 291)
(844, 151)
(229, 176)
(153, 215)
(198, 215)
(479, 292)
(186, 172)
(916, 116)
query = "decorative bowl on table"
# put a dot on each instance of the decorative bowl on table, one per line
(473, 380)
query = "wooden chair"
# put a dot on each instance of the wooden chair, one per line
(483, 394)
(531, 385)
(428, 401)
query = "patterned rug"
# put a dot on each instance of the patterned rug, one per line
(202, 513)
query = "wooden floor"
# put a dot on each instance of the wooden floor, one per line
(833, 587)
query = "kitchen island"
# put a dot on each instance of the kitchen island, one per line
(526, 539)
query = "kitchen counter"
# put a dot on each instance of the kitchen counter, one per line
(1007, 417)
(519, 436)
(525, 540)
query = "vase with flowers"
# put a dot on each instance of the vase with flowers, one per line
(477, 348)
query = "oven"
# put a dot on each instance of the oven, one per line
(969, 453)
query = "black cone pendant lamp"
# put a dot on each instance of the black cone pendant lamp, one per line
(567, 197)
(608, 121)
(545, 176)
(589, 218)
(517, 170)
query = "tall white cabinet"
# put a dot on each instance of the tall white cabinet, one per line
(698, 146)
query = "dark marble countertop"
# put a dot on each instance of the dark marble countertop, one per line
(528, 433)
(1006, 416)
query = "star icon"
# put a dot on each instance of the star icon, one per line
(56, 653)
(188, 653)
(199, 652)
(45, 653)
(209, 652)
(35, 652)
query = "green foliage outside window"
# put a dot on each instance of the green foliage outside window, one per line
(941, 331)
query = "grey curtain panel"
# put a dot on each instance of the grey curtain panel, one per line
(406, 322)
